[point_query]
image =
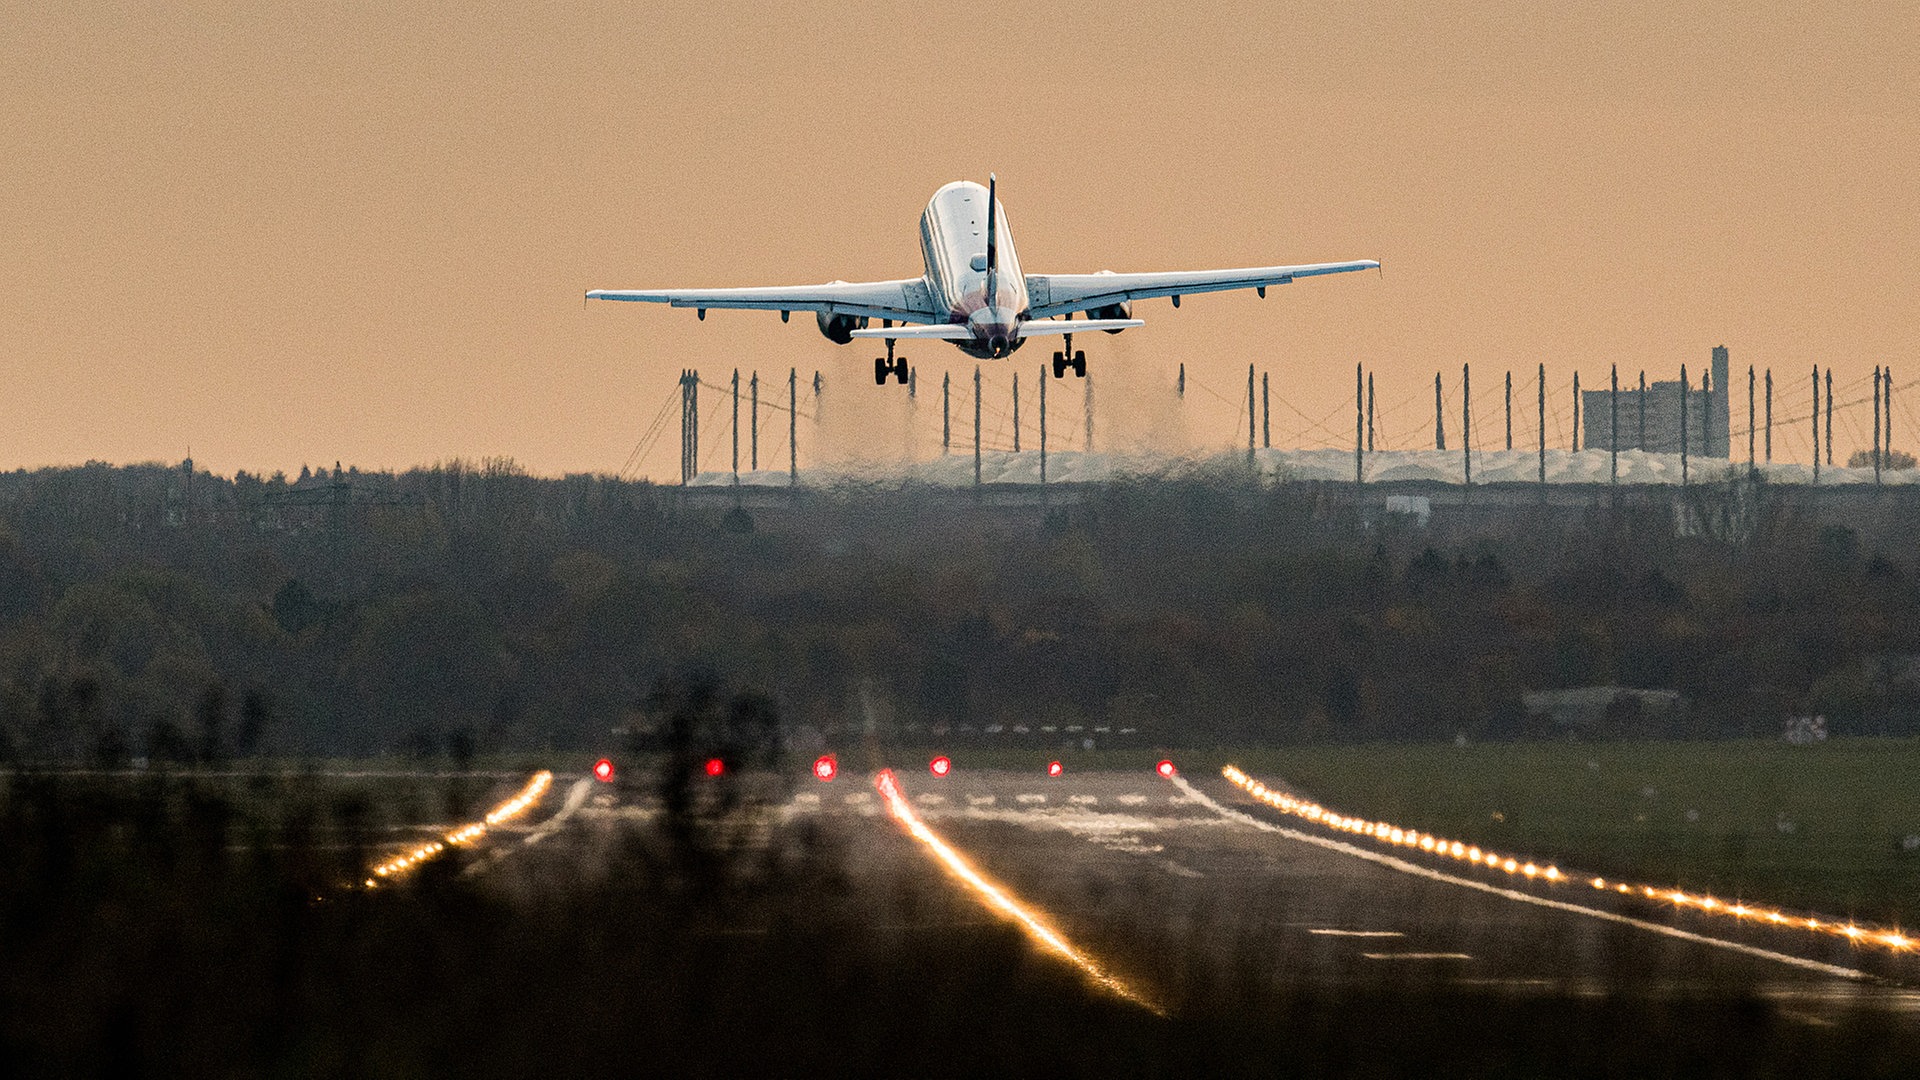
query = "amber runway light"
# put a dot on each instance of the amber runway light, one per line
(998, 898)
(1398, 836)
(465, 834)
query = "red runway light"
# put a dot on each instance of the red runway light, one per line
(826, 768)
(603, 770)
(940, 766)
(1165, 769)
(1053, 768)
(715, 766)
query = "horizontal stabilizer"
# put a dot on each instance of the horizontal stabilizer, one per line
(937, 331)
(1037, 327)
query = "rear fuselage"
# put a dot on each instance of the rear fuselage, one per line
(989, 300)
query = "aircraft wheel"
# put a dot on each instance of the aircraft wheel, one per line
(1080, 364)
(900, 371)
(1059, 365)
(879, 371)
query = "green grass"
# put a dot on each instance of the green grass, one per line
(1815, 827)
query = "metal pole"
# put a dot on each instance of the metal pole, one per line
(1509, 408)
(1576, 410)
(1769, 458)
(1829, 417)
(1613, 435)
(736, 427)
(753, 424)
(693, 449)
(1750, 418)
(1439, 426)
(1369, 412)
(1043, 424)
(1683, 425)
(1543, 426)
(1643, 410)
(1876, 423)
(686, 414)
(946, 412)
(1266, 414)
(1887, 402)
(1016, 412)
(793, 428)
(1816, 423)
(976, 425)
(1250, 432)
(1359, 424)
(1466, 421)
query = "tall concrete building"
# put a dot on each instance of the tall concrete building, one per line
(1651, 421)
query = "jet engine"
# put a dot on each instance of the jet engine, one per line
(839, 328)
(1121, 310)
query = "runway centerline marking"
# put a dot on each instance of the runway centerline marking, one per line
(1417, 956)
(1406, 867)
(1327, 931)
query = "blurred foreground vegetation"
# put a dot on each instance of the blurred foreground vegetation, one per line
(187, 926)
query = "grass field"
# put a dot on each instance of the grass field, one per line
(1815, 827)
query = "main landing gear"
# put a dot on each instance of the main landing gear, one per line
(884, 366)
(1070, 359)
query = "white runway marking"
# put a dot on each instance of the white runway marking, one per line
(576, 798)
(1330, 932)
(1416, 956)
(928, 798)
(981, 800)
(1133, 800)
(1084, 800)
(807, 798)
(858, 798)
(1196, 795)
(1031, 800)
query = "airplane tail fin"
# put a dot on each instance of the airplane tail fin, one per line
(993, 206)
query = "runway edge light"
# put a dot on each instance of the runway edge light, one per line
(940, 766)
(1053, 768)
(1165, 769)
(603, 771)
(825, 768)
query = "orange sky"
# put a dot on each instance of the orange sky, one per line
(360, 231)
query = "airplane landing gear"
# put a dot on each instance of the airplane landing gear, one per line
(884, 366)
(1070, 359)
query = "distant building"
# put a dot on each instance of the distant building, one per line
(1707, 413)
(1588, 707)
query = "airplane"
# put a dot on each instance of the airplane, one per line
(973, 293)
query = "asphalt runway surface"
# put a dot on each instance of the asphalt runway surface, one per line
(1178, 886)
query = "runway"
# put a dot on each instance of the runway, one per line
(1188, 887)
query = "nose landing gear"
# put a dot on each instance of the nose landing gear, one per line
(1070, 359)
(884, 366)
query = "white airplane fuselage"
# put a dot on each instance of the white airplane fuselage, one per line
(989, 297)
(974, 294)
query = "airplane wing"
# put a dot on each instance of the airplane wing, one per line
(907, 300)
(1060, 294)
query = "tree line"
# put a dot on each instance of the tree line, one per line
(169, 614)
